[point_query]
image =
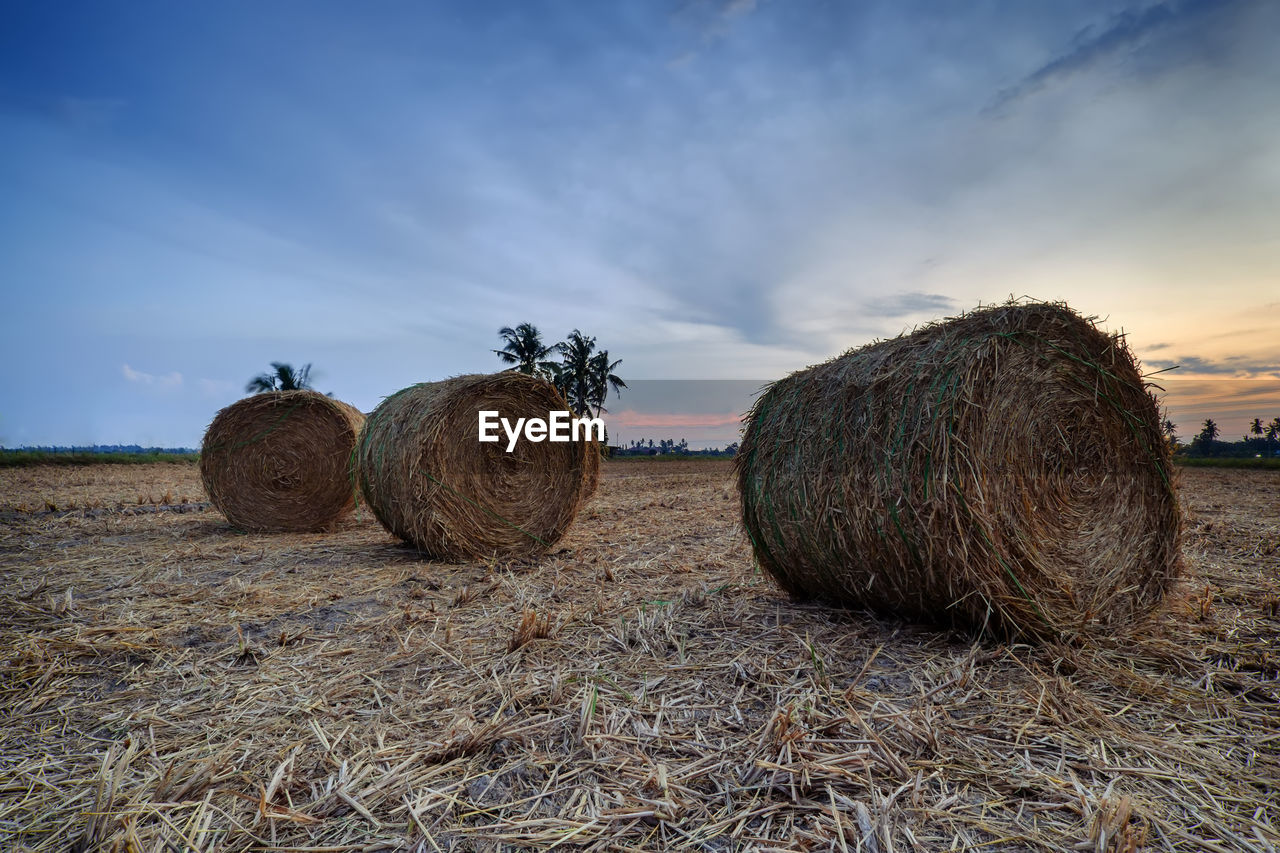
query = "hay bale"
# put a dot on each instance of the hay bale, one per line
(591, 469)
(281, 461)
(431, 482)
(1003, 469)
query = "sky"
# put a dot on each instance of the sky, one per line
(714, 190)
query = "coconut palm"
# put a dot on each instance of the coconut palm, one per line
(573, 375)
(283, 378)
(1171, 431)
(603, 378)
(524, 350)
(1273, 432)
(1208, 434)
(585, 375)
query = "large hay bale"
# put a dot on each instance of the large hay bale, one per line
(1003, 469)
(591, 469)
(281, 461)
(430, 481)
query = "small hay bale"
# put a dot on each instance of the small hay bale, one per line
(431, 482)
(1005, 469)
(281, 461)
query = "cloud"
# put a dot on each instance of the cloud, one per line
(1130, 28)
(71, 112)
(1236, 366)
(1233, 403)
(713, 20)
(912, 302)
(216, 387)
(167, 382)
(633, 419)
(737, 8)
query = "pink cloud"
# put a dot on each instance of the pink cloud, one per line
(1232, 403)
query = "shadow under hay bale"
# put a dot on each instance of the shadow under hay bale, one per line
(1005, 469)
(281, 461)
(431, 482)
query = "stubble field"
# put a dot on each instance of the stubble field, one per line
(168, 683)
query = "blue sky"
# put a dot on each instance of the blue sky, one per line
(712, 189)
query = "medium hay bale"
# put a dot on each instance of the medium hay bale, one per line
(431, 482)
(1004, 469)
(281, 461)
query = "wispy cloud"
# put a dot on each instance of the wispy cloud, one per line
(1125, 30)
(216, 387)
(166, 382)
(713, 20)
(1236, 366)
(913, 302)
(737, 8)
(634, 419)
(1230, 402)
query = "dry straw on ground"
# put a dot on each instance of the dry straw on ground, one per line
(430, 481)
(166, 687)
(281, 461)
(1003, 469)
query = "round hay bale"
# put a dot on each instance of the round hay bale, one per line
(1002, 470)
(431, 482)
(281, 461)
(591, 469)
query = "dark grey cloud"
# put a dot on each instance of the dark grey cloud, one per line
(1124, 31)
(911, 302)
(1232, 365)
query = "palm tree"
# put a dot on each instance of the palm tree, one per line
(603, 378)
(1273, 432)
(524, 350)
(1171, 431)
(573, 375)
(1208, 434)
(284, 378)
(584, 376)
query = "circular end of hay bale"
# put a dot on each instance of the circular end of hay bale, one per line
(281, 461)
(430, 480)
(1003, 470)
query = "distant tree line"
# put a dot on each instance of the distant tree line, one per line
(1263, 439)
(647, 447)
